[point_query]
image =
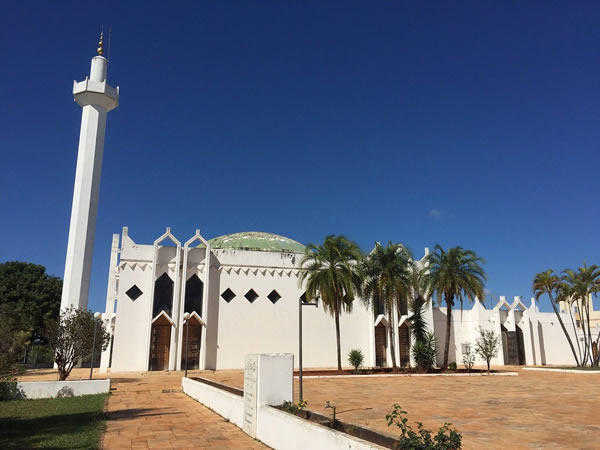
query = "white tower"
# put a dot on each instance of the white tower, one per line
(96, 98)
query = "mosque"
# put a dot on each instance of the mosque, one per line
(206, 303)
(243, 295)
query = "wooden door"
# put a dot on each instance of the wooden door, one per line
(192, 348)
(159, 346)
(520, 346)
(404, 336)
(380, 346)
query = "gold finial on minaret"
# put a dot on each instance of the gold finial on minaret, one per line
(100, 49)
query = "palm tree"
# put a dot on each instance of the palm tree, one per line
(455, 273)
(332, 271)
(566, 293)
(417, 302)
(387, 272)
(549, 283)
(582, 285)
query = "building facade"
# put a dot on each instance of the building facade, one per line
(242, 292)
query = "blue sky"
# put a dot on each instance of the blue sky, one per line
(471, 123)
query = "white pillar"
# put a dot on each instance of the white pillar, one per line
(96, 98)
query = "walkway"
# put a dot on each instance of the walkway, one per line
(150, 411)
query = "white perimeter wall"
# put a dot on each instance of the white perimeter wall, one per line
(48, 389)
(552, 347)
(544, 340)
(463, 330)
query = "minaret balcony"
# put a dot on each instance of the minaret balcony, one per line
(99, 93)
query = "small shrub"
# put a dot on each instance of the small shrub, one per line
(452, 366)
(469, 357)
(424, 352)
(9, 389)
(356, 359)
(487, 346)
(446, 438)
(293, 407)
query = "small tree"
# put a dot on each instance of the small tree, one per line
(356, 359)
(468, 357)
(72, 336)
(487, 346)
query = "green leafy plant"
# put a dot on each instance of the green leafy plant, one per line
(356, 359)
(487, 345)
(452, 366)
(468, 357)
(424, 352)
(446, 438)
(293, 407)
(72, 338)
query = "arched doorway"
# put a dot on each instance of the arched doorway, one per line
(380, 345)
(160, 343)
(191, 344)
(404, 344)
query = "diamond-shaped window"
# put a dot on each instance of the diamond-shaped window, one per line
(306, 302)
(134, 292)
(228, 295)
(251, 295)
(274, 296)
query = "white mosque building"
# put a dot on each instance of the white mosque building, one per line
(242, 291)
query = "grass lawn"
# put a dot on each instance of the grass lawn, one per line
(76, 422)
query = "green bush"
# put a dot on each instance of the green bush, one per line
(452, 366)
(356, 359)
(424, 352)
(468, 357)
(446, 438)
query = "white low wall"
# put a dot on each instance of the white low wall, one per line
(283, 431)
(275, 428)
(224, 403)
(48, 389)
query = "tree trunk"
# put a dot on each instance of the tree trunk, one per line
(391, 335)
(589, 330)
(337, 337)
(488, 364)
(449, 301)
(574, 328)
(562, 325)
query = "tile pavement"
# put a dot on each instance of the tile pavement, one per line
(150, 411)
(532, 410)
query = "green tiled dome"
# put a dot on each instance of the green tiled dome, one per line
(257, 241)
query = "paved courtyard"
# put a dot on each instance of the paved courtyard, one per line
(532, 410)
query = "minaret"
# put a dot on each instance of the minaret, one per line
(96, 98)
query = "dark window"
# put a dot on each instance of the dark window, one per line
(403, 307)
(304, 300)
(134, 292)
(251, 295)
(228, 295)
(193, 295)
(163, 295)
(274, 296)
